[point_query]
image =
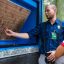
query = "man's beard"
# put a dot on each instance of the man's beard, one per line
(49, 18)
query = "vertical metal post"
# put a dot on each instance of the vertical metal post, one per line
(40, 11)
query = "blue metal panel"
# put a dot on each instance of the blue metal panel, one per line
(40, 11)
(29, 24)
(30, 2)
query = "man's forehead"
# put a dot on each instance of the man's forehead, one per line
(50, 7)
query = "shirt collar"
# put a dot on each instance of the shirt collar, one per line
(56, 21)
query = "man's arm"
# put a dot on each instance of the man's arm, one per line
(59, 51)
(35, 31)
(15, 34)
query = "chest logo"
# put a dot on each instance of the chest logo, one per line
(58, 26)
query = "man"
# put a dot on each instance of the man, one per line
(49, 32)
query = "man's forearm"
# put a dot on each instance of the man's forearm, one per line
(21, 35)
(59, 51)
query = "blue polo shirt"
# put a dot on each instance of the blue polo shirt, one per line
(44, 31)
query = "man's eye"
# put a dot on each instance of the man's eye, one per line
(48, 10)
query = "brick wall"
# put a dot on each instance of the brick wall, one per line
(11, 16)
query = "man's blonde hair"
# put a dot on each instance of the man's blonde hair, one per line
(53, 6)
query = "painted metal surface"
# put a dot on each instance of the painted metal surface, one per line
(13, 51)
(28, 25)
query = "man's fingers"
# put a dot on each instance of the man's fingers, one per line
(53, 60)
(51, 57)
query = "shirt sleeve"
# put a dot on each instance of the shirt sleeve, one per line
(62, 44)
(35, 31)
(63, 29)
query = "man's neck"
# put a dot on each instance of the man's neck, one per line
(52, 21)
